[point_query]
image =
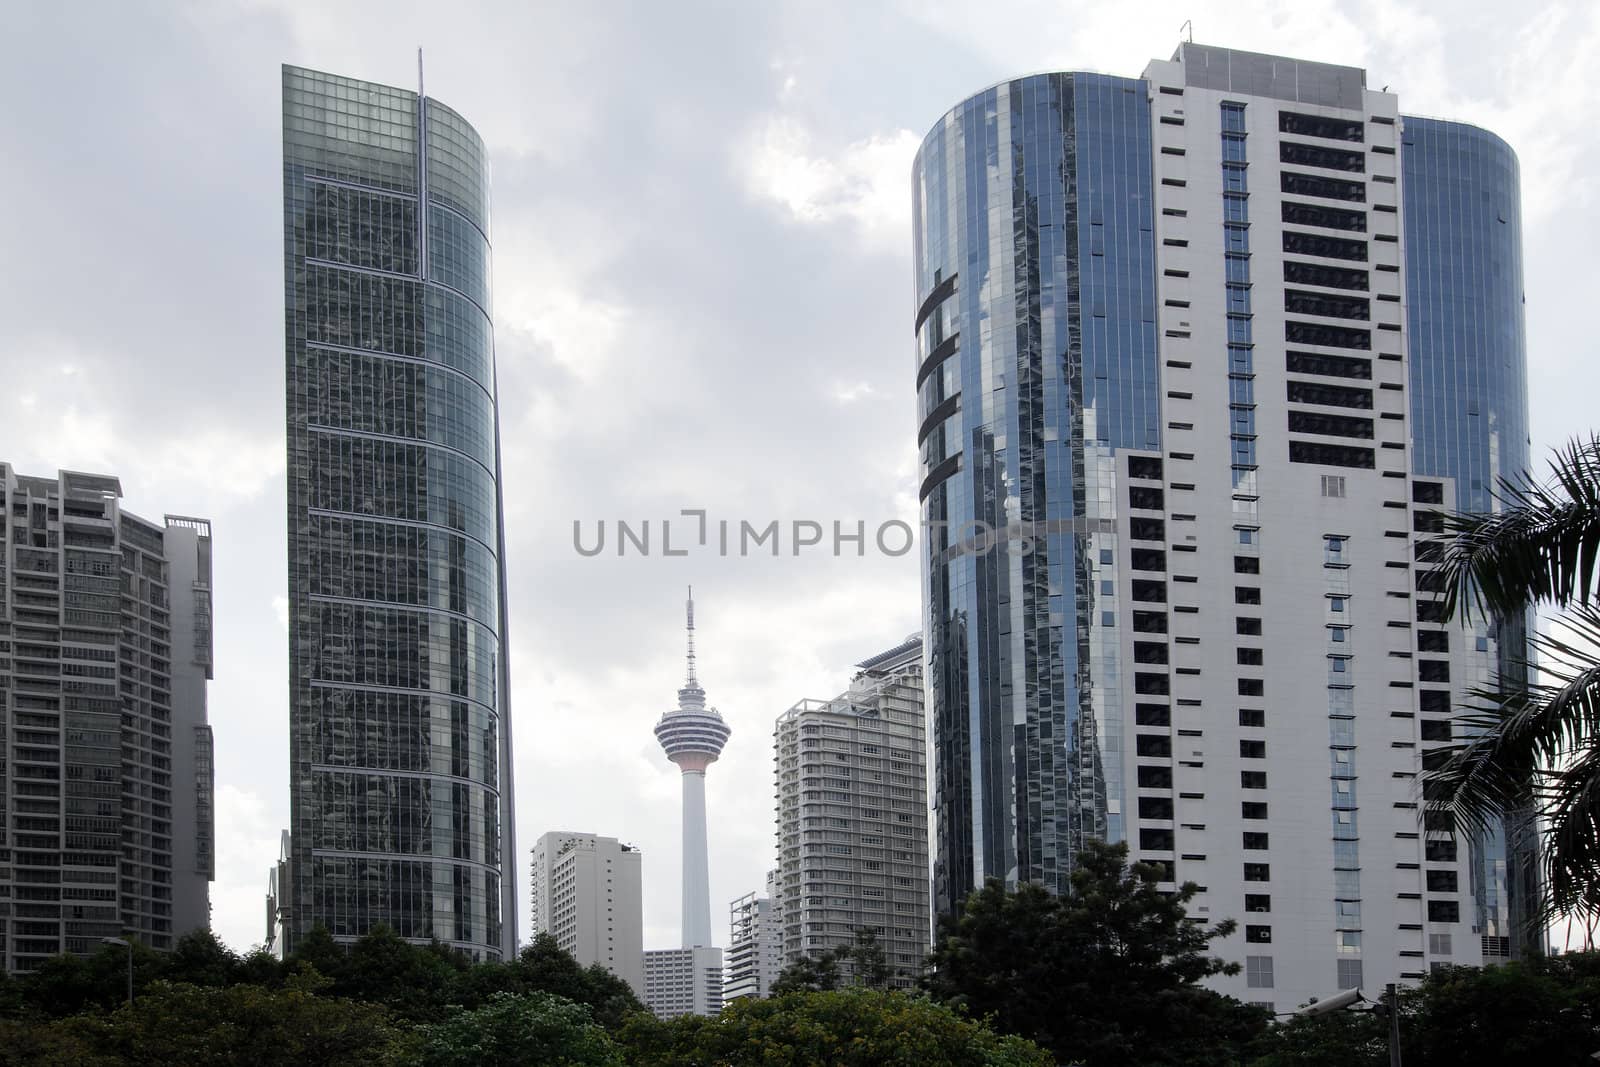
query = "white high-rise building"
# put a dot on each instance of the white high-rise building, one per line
(1204, 351)
(683, 981)
(755, 946)
(587, 894)
(853, 815)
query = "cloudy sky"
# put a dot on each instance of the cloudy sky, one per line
(703, 300)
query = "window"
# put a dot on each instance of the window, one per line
(1246, 565)
(1144, 497)
(1331, 218)
(1434, 670)
(1436, 730)
(1327, 188)
(1251, 687)
(1435, 700)
(1155, 777)
(1258, 972)
(1338, 634)
(1427, 493)
(1253, 809)
(1348, 974)
(1332, 455)
(1144, 467)
(1157, 840)
(1249, 657)
(1153, 715)
(1332, 484)
(1155, 807)
(1442, 881)
(1304, 302)
(1252, 779)
(1256, 841)
(1337, 603)
(1257, 902)
(1316, 244)
(1247, 626)
(1258, 935)
(1258, 872)
(1253, 749)
(1439, 851)
(1247, 594)
(1330, 425)
(1433, 640)
(1321, 126)
(1328, 366)
(1252, 717)
(1315, 155)
(1444, 911)
(1338, 396)
(1439, 945)
(1153, 745)
(1329, 277)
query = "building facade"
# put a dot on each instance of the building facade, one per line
(683, 981)
(105, 651)
(755, 945)
(400, 728)
(588, 895)
(692, 736)
(1195, 361)
(852, 801)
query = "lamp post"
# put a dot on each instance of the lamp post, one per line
(129, 946)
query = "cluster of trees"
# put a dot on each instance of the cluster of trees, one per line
(1108, 975)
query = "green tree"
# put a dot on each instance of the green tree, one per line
(533, 1028)
(843, 1028)
(809, 974)
(545, 967)
(1488, 1016)
(860, 963)
(1345, 1038)
(1533, 747)
(240, 1025)
(1107, 974)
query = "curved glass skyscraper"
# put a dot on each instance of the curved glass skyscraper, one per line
(1036, 346)
(400, 730)
(1198, 356)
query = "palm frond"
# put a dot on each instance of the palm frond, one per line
(1534, 749)
(1540, 545)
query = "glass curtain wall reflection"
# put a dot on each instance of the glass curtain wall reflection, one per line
(400, 728)
(1036, 364)
(1469, 408)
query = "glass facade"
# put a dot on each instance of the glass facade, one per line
(400, 728)
(1036, 364)
(1469, 394)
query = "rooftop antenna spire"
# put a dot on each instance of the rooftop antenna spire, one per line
(420, 93)
(1188, 24)
(693, 682)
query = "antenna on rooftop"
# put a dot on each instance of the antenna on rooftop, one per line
(1188, 24)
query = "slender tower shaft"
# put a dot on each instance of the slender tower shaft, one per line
(692, 736)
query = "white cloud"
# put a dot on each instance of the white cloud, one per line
(849, 394)
(865, 183)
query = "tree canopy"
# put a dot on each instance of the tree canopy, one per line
(846, 1028)
(1107, 974)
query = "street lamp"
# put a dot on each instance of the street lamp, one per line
(129, 946)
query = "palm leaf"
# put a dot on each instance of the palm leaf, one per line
(1535, 748)
(1539, 545)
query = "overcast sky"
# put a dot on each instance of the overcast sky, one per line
(703, 299)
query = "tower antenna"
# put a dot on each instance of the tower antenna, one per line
(693, 683)
(1188, 24)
